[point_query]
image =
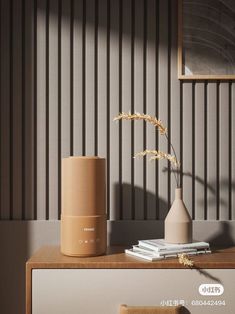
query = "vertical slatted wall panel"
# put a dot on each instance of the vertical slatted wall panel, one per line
(187, 158)
(139, 107)
(65, 80)
(90, 77)
(163, 103)
(5, 109)
(53, 110)
(151, 105)
(77, 78)
(126, 107)
(199, 173)
(16, 110)
(224, 151)
(175, 92)
(233, 150)
(212, 156)
(67, 68)
(28, 94)
(102, 78)
(114, 204)
(41, 109)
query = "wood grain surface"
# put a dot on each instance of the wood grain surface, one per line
(50, 257)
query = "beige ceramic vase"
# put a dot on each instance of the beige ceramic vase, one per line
(178, 223)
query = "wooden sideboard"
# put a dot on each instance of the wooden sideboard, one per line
(58, 284)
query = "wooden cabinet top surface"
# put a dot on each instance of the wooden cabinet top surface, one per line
(50, 257)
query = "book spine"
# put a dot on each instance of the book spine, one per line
(165, 248)
(143, 255)
(189, 253)
(143, 250)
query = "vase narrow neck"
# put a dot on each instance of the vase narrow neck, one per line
(178, 194)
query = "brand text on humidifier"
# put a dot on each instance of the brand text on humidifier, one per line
(89, 229)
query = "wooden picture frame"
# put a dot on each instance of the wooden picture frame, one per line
(207, 45)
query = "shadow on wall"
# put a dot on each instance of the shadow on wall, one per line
(224, 184)
(18, 241)
(14, 253)
(223, 238)
(121, 233)
(142, 228)
(151, 205)
(107, 16)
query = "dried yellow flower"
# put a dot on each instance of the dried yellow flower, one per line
(184, 259)
(138, 116)
(163, 131)
(157, 154)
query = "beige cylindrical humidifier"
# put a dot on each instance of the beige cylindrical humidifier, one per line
(83, 217)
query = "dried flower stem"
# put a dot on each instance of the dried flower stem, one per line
(177, 175)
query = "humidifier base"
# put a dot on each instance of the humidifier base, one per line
(83, 236)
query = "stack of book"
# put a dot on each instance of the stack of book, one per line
(157, 249)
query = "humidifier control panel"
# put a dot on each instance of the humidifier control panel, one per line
(89, 236)
(88, 241)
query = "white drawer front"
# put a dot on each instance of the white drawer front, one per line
(101, 291)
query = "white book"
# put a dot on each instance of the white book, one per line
(137, 248)
(143, 255)
(152, 257)
(159, 245)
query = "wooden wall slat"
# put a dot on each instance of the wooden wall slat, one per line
(151, 106)
(77, 78)
(59, 79)
(139, 107)
(200, 163)
(66, 80)
(5, 110)
(224, 152)
(41, 110)
(126, 107)
(187, 157)
(90, 77)
(102, 78)
(175, 93)
(211, 151)
(163, 205)
(53, 110)
(29, 111)
(233, 151)
(120, 106)
(113, 110)
(17, 108)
